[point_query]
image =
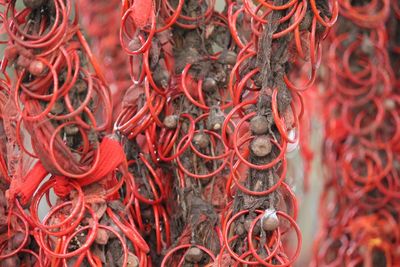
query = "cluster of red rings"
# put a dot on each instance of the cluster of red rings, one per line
(56, 115)
(201, 147)
(360, 209)
(207, 147)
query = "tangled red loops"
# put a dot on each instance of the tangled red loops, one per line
(61, 118)
(361, 117)
(212, 112)
(162, 139)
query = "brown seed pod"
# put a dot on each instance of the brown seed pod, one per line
(389, 104)
(23, 62)
(261, 146)
(102, 237)
(71, 130)
(171, 121)
(80, 86)
(259, 124)
(36, 68)
(270, 220)
(210, 85)
(194, 255)
(201, 140)
(229, 58)
(133, 260)
(57, 108)
(11, 52)
(215, 119)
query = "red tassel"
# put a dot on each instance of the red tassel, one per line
(25, 188)
(111, 156)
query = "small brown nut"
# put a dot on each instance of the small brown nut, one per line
(11, 52)
(259, 124)
(71, 129)
(76, 156)
(209, 85)
(270, 220)
(230, 58)
(102, 237)
(80, 86)
(216, 126)
(23, 62)
(261, 146)
(215, 122)
(389, 104)
(201, 140)
(194, 255)
(133, 260)
(36, 67)
(57, 108)
(171, 121)
(215, 119)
